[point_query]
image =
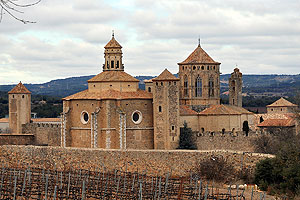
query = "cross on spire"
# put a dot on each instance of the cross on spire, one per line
(113, 33)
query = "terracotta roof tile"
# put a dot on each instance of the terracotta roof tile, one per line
(282, 102)
(45, 119)
(224, 110)
(148, 81)
(113, 43)
(19, 89)
(113, 76)
(165, 76)
(185, 110)
(277, 123)
(4, 120)
(110, 94)
(199, 56)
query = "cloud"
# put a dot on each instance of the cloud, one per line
(69, 36)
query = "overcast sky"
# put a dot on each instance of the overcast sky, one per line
(260, 37)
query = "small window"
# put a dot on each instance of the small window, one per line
(214, 67)
(84, 117)
(169, 82)
(110, 85)
(24, 97)
(182, 67)
(194, 67)
(149, 89)
(94, 85)
(207, 67)
(159, 109)
(77, 104)
(112, 64)
(174, 82)
(202, 67)
(156, 83)
(136, 117)
(128, 85)
(162, 83)
(13, 96)
(173, 128)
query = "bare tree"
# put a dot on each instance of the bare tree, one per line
(13, 7)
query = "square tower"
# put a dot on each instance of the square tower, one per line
(166, 111)
(19, 100)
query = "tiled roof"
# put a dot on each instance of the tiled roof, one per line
(113, 76)
(199, 56)
(113, 43)
(166, 76)
(224, 110)
(277, 123)
(185, 110)
(45, 119)
(19, 89)
(110, 94)
(4, 120)
(148, 81)
(282, 102)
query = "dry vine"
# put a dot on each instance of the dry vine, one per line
(13, 7)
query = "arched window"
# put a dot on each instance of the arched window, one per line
(198, 87)
(211, 91)
(118, 64)
(112, 64)
(149, 89)
(185, 87)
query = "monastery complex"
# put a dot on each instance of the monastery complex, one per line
(113, 113)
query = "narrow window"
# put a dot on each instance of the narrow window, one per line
(173, 128)
(185, 87)
(194, 67)
(207, 67)
(149, 89)
(211, 90)
(198, 87)
(118, 64)
(202, 67)
(112, 64)
(107, 63)
(162, 83)
(24, 96)
(159, 109)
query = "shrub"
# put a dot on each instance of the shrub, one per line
(216, 169)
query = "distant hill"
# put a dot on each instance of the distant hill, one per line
(286, 85)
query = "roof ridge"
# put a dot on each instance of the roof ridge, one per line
(19, 89)
(200, 56)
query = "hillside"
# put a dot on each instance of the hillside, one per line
(256, 85)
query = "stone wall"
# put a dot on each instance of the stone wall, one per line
(237, 142)
(154, 161)
(16, 139)
(44, 133)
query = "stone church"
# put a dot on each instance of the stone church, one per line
(114, 113)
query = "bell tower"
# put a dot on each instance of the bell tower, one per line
(235, 88)
(113, 56)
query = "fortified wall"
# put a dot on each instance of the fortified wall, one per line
(228, 141)
(45, 134)
(179, 162)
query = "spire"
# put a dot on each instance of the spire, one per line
(199, 45)
(113, 33)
